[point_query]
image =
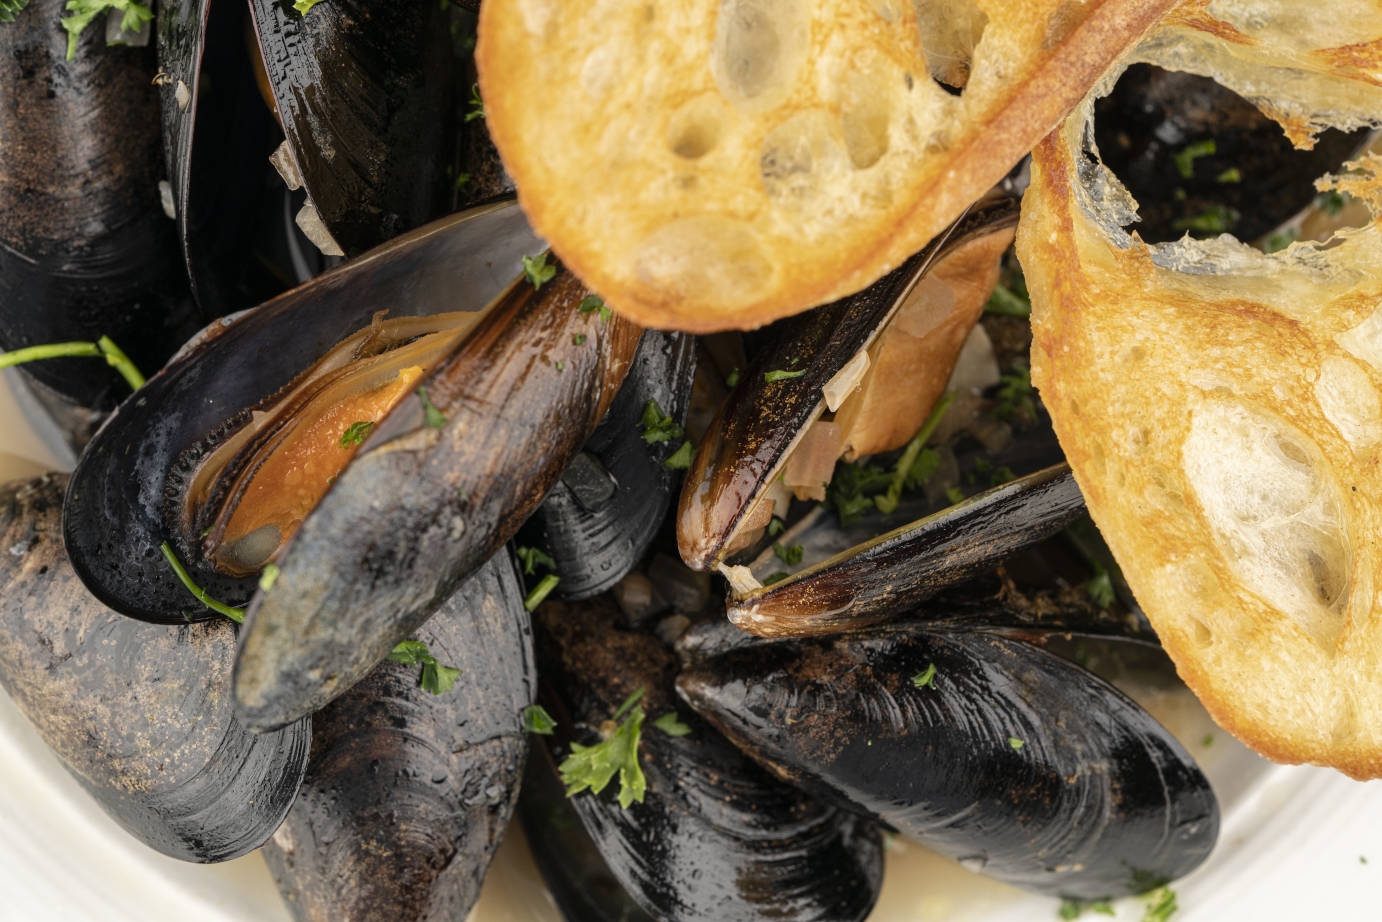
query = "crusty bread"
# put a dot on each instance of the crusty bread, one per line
(717, 164)
(1222, 410)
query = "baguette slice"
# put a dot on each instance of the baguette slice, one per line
(717, 164)
(1222, 411)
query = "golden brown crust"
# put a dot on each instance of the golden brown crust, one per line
(708, 167)
(1222, 411)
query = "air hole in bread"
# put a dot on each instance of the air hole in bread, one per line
(1200, 160)
(1271, 506)
(950, 32)
(800, 156)
(759, 47)
(694, 129)
(865, 114)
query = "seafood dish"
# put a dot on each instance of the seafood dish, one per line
(725, 447)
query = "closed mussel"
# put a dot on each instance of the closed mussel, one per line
(408, 793)
(990, 750)
(713, 836)
(140, 714)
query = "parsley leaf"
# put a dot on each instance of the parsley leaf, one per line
(790, 555)
(670, 724)
(1232, 174)
(302, 6)
(477, 105)
(532, 557)
(1331, 202)
(578, 339)
(852, 487)
(955, 495)
(781, 375)
(135, 15)
(1014, 394)
(1016, 743)
(9, 7)
(1280, 241)
(776, 527)
(1073, 909)
(410, 653)
(592, 303)
(436, 678)
(903, 470)
(1100, 589)
(926, 678)
(731, 380)
(541, 591)
(268, 577)
(1185, 157)
(1215, 219)
(591, 768)
(435, 418)
(777, 577)
(537, 720)
(681, 458)
(1161, 905)
(537, 270)
(1008, 303)
(355, 433)
(658, 427)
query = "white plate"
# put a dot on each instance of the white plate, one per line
(1296, 843)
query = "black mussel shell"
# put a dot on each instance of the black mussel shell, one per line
(889, 575)
(715, 837)
(140, 714)
(85, 248)
(408, 793)
(602, 515)
(576, 875)
(366, 94)
(113, 520)
(990, 750)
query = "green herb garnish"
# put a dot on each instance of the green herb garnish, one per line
(355, 433)
(234, 614)
(268, 577)
(1185, 157)
(561, 366)
(9, 7)
(593, 767)
(592, 303)
(776, 527)
(434, 417)
(926, 678)
(732, 379)
(657, 426)
(1280, 241)
(670, 724)
(135, 15)
(781, 375)
(777, 577)
(477, 105)
(1016, 743)
(1215, 219)
(954, 494)
(1073, 909)
(461, 178)
(532, 557)
(436, 678)
(101, 348)
(1331, 202)
(790, 555)
(1100, 589)
(578, 339)
(537, 270)
(1014, 394)
(903, 471)
(541, 591)
(1161, 905)
(681, 458)
(1007, 303)
(537, 720)
(1232, 174)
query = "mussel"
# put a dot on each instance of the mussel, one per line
(86, 249)
(714, 837)
(408, 793)
(987, 749)
(140, 714)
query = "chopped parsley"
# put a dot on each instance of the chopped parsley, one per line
(9, 7)
(537, 271)
(434, 417)
(777, 577)
(135, 16)
(1008, 303)
(1232, 174)
(1014, 394)
(954, 494)
(591, 768)
(1016, 743)
(779, 374)
(477, 105)
(914, 469)
(268, 577)
(1073, 909)
(1280, 241)
(790, 555)
(561, 366)
(355, 433)
(532, 557)
(1161, 905)
(537, 720)
(1331, 202)
(657, 426)
(541, 591)
(1208, 740)
(681, 458)
(1214, 219)
(1185, 157)
(303, 6)
(1100, 589)
(776, 527)
(592, 303)
(731, 380)
(926, 678)
(461, 178)
(436, 678)
(852, 488)
(578, 339)
(670, 724)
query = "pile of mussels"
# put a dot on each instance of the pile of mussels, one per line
(357, 459)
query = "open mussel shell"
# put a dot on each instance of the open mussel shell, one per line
(763, 420)
(600, 518)
(140, 714)
(366, 95)
(888, 575)
(85, 249)
(430, 496)
(113, 520)
(999, 754)
(408, 793)
(217, 137)
(715, 837)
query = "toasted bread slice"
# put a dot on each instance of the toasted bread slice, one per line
(1222, 410)
(717, 164)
